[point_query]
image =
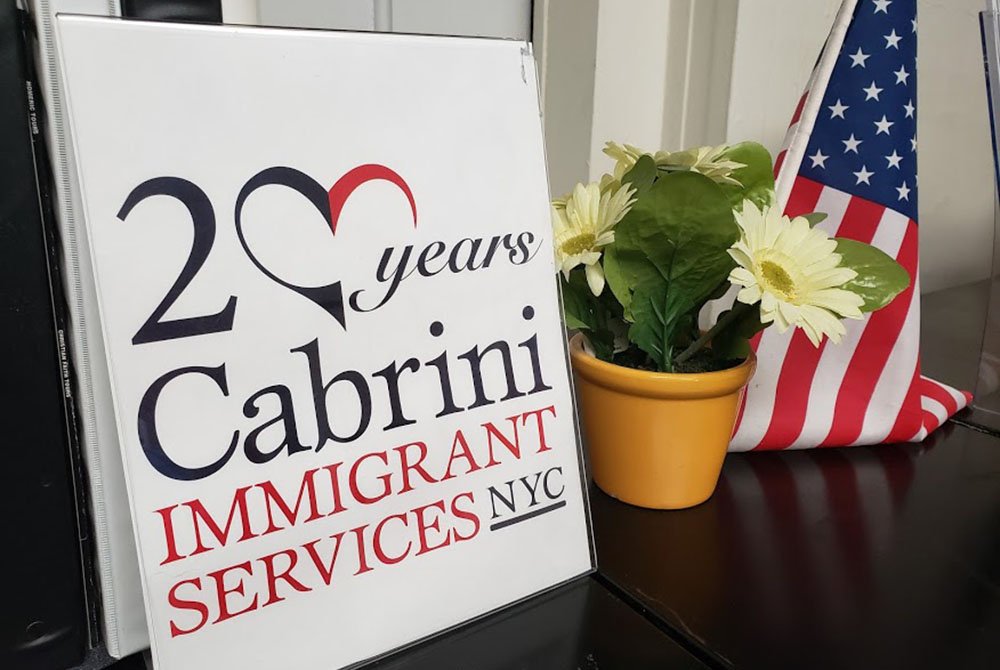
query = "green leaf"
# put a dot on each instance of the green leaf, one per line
(590, 313)
(603, 343)
(648, 331)
(734, 341)
(669, 256)
(880, 278)
(756, 179)
(642, 175)
(575, 309)
(659, 322)
(618, 281)
(814, 218)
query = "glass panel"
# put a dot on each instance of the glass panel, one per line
(986, 405)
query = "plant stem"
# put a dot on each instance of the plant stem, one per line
(738, 310)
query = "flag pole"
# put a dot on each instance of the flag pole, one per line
(814, 98)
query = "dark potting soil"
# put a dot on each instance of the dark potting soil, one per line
(702, 361)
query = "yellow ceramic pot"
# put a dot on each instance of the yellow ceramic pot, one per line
(657, 439)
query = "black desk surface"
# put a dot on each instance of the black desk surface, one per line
(883, 557)
(579, 626)
(870, 557)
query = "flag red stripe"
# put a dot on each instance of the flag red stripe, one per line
(877, 342)
(803, 198)
(778, 162)
(910, 419)
(798, 109)
(933, 390)
(791, 394)
(754, 344)
(739, 415)
(861, 220)
(802, 358)
(931, 422)
(791, 398)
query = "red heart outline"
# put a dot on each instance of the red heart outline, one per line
(352, 179)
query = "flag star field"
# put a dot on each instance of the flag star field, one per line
(865, 138)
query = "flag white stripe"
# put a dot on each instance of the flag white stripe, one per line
(774, 345)
(894, 382)
(890, 232)
(834, 203)
(761, 390)
(789, 135)
(959, 397)
(825, 388)
(834, 361)
(893, 385)
(931, 405)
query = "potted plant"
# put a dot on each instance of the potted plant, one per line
(641, 253)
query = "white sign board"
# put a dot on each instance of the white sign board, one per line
(328, 298)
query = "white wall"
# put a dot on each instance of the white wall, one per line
(566, 47)
(777, 43)
(629, 83)
(662, 74)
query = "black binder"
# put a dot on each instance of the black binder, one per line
(198, 11)
(43, 611)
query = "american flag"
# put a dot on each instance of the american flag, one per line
(851, 152)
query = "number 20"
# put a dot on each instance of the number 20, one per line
(155, 328)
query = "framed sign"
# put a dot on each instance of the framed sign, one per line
(329, 304)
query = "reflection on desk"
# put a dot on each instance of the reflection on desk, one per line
(885, 556)
(580, 626)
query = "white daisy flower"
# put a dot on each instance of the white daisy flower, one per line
(794, 271)
(583, 224)
(704, 160)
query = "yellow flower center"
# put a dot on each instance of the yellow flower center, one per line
(777, 280)
(579, 244)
